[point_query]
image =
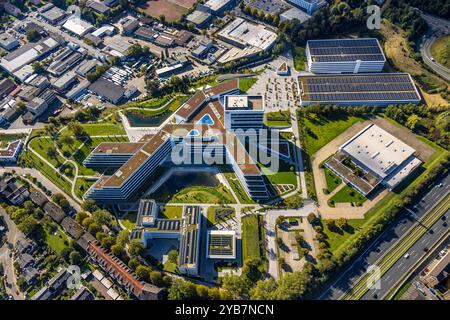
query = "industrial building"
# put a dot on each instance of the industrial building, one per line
(77, 26)
(218, 7)
(199, 18)
(345, 56)
(373, 156)
(380, 89)
(242, 33)
(107, 90)
(52, 14)
(64, 61)
(8, 42)
(26, 54)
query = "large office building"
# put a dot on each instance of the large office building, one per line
(244, 112)
(345, 56)
(380, 89)
(11, 152)
(200, 133)
(373, 156)
(221, 245)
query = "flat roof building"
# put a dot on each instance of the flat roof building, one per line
(217, 7)
(64, 61)
(77, 26)
(27, 54)
(310, 6)
(199, 18)
(242, 33)
(221, 244)
(53, 14)
(345, 56)
(358, 89)
(8, 42)
(294, 13)
(107, 90)
(381, 157)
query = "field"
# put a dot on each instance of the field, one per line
(171, 212)
(129, 221)
(320, 130)
(172, 10)
(333, 181)
(211, 214)
(440, 50)
(348, 194)
(199, 194)
(250, 237)
(246, 83)
(278, 118)
(7, 138)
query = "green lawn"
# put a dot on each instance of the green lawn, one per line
(41, 145)
(129, 221)
(333, 181)
(250, 237)
(299, 58)
(238, 189)
(82, 185)
(56, 241)
(320, 131)
(278, 118)
(211, 214)
(171, 212)
(201, 194)
(101, 129)
(348, 194)
(284, 174)
(246, 83)
(7, 138)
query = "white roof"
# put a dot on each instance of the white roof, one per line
(77, 26)
(377, 150)
(248, 33)
(216, 5)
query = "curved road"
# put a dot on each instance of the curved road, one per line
(438, 27)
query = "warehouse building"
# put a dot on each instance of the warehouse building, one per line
(242, 33)
(77, 26)
(52, 14)
(199, 18)
(217, 7)
(371, 157)
(358, 89)
(64, 61)
(345, 56)
(8, 42)
(107, 90)
(26, 54)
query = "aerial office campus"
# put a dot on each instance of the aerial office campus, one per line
(223, 149)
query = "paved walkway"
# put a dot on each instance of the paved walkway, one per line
(270, 219)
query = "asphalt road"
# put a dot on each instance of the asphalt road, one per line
(438, 27)
(386, 241)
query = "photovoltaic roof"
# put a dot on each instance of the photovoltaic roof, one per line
(360, 87)
(342, 50)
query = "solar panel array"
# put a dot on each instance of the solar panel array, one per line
(345, 50)
(221, 245)
(387, 87)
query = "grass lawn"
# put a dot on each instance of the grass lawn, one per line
(41, 145)
(347, 194)
(7, 138)
(237, 188)
(33, 161)
(211, 214)
(100, 129)
(153, 103)
(320, 131)
(278, 118)
(250, 237)
(246, 83)
(57, 240)
(202, 194)
(171, 212)
(440, 50)
(299, 58)
(284, 175)
(82, 185)
(333, 181)
(129, 221)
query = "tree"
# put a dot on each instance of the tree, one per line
(75, 257)
(76, 129)
(66, 139)
(32, 35)
(135, 247)
(103, 217)
(143, 272)
(81, 215)
(51, 152)
(65, 253)
(156, 278)
(123, 238)
(172, 256)
(37, 67)
(237, 286)
(181, 290)
(89, 205)
(342, 223)
(311, 218)
(93, 227)
(253, 269)
(28, 225)
(264, 290)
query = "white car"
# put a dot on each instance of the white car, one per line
(406, 256)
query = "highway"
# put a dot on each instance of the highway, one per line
(438, 27)
(386, 241)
